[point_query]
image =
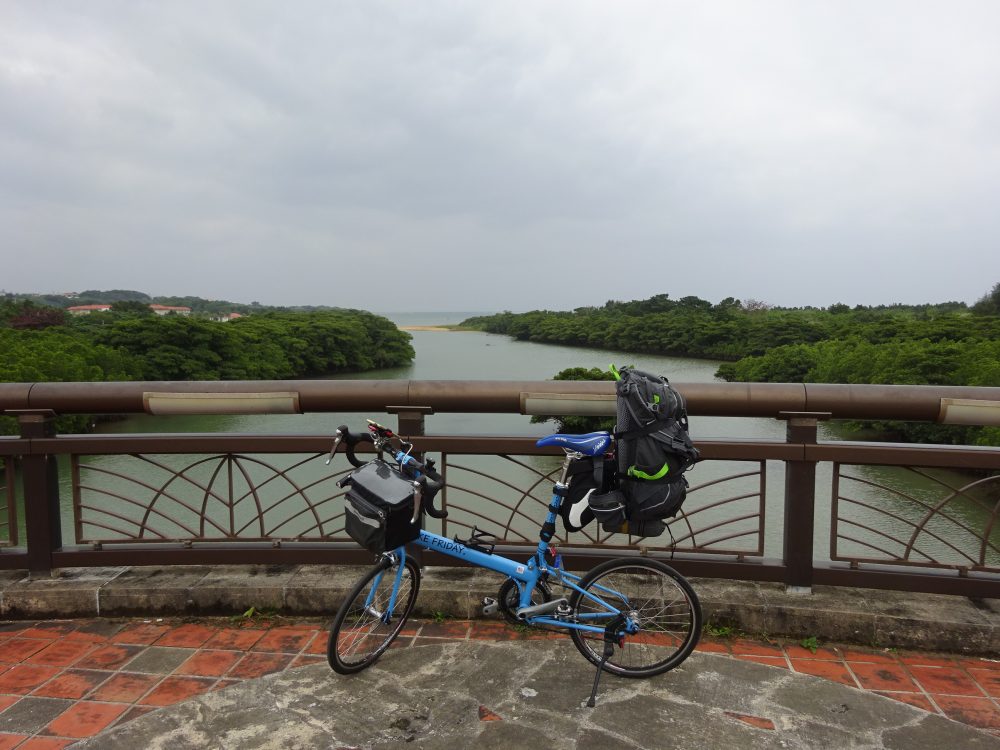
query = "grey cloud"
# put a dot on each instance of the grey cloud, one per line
(523, 153)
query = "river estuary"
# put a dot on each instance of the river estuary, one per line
(460, 355)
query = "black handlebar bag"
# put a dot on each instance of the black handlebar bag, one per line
(379, 507)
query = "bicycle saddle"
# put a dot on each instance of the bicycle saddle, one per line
(590, 444)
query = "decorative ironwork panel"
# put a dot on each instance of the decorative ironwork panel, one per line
(8, 504)
(170, 498)
(508, 497)
(915, 516)
(160, 498)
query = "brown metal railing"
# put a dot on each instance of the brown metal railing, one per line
(904, 402)
(8, 503)
(237, 498)
(928, 541)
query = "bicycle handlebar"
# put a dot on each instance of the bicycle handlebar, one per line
(427, 484)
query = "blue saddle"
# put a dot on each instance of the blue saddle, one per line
(591, 444)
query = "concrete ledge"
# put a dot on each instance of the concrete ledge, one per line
(873, 618)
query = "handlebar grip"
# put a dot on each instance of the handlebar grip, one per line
(432, 483)
(426, 487)
(432, 486)
(350, 440)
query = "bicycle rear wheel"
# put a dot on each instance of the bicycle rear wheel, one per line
(363, 629)
(651, 593)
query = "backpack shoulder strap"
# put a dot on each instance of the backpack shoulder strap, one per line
(648, 429)
(598, 462)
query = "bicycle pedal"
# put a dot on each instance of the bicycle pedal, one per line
(491, 607)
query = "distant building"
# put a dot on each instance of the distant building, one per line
(158, 309)
(168, 309)
(87, 309)
(226, 317)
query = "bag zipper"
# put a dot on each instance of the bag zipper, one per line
(365, 505)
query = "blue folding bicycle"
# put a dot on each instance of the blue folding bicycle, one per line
(630, 616)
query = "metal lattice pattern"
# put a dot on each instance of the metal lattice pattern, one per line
(8, 505)
(508, 496)
(283, 497)
(184, 498)
(938, 521)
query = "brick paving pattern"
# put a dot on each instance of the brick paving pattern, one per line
(63, 681)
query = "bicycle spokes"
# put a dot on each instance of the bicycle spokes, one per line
(372, 616)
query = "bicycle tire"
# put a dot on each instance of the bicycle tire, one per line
(358, 636)
(666, 606)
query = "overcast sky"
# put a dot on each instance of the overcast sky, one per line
(487, 156)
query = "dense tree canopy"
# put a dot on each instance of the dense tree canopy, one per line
(989, 304)
(691, 327)
(130, 344)
(935, 344)
(26, 314)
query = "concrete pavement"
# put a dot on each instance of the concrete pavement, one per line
(531, 689)
(518, 694)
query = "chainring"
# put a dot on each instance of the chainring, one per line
(508, 599)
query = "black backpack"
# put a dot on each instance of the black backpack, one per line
(653, 452)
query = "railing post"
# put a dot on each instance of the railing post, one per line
(410, 424)
(40, 479)
(800, 502)
(410, 419)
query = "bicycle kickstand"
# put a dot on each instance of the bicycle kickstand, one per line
(610, 639)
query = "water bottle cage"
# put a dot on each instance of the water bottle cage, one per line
(481, 541)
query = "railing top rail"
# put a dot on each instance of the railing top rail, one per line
(904, 402)
(223, 442)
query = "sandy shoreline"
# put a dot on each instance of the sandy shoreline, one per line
(423, 328)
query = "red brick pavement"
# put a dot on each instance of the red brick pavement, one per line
(84, 676)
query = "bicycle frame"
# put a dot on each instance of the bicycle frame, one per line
(593, 608)
(526, 574)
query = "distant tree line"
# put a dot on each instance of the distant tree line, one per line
(43, 344)
(731, 330)
(199, 306)
(933, 344)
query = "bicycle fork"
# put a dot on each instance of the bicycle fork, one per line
(385, 616)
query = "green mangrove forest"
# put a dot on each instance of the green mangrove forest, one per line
(41, 343)
(934, 344)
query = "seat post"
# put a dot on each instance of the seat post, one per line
(571, 456)
(548, 529)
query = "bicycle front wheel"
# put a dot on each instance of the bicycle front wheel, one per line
(364, 627)
(650, 593)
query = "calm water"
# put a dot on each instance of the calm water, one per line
(459, 355)
(470, 355)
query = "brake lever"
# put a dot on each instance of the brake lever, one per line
(338, 436)
(418, 491)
